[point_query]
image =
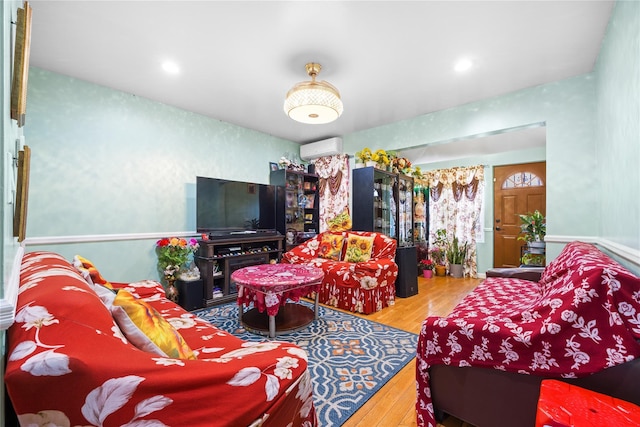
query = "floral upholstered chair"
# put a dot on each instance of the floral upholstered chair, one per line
(359, 268)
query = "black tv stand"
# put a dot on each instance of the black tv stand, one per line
(241, 234)
(221, 255)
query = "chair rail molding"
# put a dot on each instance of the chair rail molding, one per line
(629, 254)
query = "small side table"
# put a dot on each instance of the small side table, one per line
(268, 287)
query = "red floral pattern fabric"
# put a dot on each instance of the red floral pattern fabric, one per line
(269, 286)
(361, 287)
(581, 318)
(69, 364)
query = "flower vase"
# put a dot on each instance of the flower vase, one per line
(427, 274)
(172, 291)
(371, 163)
(441, 270)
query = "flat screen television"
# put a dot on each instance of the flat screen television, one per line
(234, 207)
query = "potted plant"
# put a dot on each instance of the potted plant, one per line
(439, 252)
(426, 266)
(456, 254)
(532, 230)
(534, 260)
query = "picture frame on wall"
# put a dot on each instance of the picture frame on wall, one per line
(273, 166)
(21, 65)
(22, 194)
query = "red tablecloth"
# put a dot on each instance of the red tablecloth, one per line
(268, 286)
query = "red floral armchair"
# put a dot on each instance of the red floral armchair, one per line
(359, 268)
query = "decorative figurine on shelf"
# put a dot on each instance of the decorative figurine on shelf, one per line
(174, 255)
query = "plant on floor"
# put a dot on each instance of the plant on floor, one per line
(456, 253)
(438, 252)
(425, 264)
(438, 255)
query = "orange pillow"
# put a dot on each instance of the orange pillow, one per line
(90, 272)
(359, 248)
(331, 246)
(145, 328)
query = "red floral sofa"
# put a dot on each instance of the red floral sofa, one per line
(579, 323)
(362, 286)
(70, 364)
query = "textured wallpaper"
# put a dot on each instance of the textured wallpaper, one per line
(618, 137)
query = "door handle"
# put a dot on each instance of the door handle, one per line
(498, 228)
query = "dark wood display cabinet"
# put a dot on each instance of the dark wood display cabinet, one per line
(297, 206)
(220, 257)
(383, 202)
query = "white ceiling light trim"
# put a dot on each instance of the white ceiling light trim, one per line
(313, 102)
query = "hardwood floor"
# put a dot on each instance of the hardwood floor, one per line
(394, 404)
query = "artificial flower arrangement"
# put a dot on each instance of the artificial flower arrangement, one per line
(386, 158)
(402, 165)
(364, 155)
(381, 157)
(173, 254)
(416, 172)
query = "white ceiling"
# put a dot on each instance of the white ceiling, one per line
(391, 60)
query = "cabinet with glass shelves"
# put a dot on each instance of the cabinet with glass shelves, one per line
(297, 203)
(383, 203)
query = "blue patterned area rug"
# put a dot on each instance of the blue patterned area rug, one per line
(350, 358)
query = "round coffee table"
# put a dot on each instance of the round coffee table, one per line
(268, 287)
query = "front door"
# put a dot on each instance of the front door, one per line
(517, 189)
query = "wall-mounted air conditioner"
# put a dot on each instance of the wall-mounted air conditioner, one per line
(326, 147)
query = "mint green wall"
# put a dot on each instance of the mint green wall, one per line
(618, 116)
(108, 162)
(568, 110)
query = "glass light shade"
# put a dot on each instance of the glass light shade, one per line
(313, 102)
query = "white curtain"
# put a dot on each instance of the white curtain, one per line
(456, 200)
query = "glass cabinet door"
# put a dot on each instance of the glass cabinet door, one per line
(405, 210)
(384, 189)
(420, 213)
(294, 209)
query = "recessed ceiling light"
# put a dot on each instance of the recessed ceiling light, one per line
(463, 65)
(170, 67)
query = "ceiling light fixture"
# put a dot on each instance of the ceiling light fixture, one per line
(170, 67)
(313, 102)
(463, 65)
